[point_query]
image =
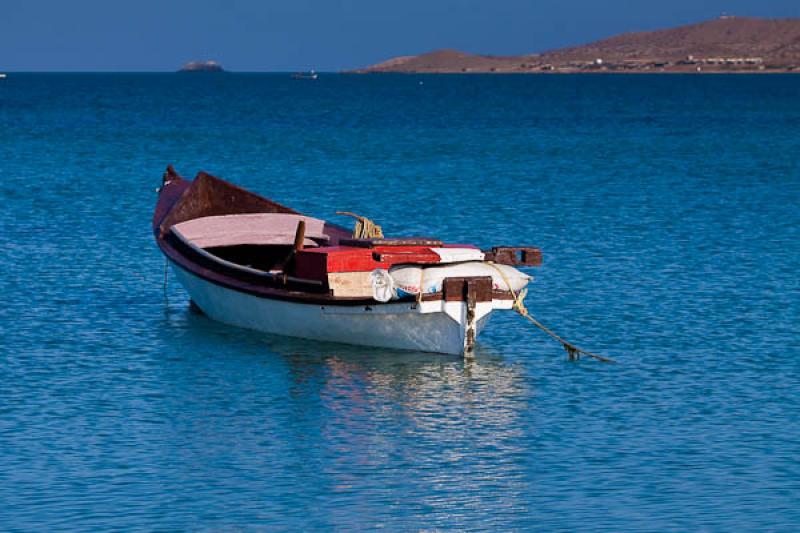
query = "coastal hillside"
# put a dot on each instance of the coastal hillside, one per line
(444, 61)
(723, 44)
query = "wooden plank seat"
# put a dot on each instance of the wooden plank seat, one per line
(250, 229)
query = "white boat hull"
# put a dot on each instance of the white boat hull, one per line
(430, 326)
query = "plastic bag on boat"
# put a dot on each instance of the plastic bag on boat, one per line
(382, 285)
(409, 279)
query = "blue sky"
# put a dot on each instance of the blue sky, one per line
(267, 35)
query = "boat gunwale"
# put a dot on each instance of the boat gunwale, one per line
(261, 290)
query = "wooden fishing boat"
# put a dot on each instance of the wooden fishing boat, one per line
(250, 262)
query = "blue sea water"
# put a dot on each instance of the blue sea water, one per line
(667, 208)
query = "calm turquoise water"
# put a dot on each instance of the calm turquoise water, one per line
(667, 209)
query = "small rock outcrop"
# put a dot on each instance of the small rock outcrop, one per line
(202, 66)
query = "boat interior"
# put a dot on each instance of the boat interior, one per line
(231, 234)
(259, 241)
(266, 258)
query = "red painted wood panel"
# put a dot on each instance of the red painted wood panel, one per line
(314, 263)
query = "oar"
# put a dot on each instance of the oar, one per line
(299, 238)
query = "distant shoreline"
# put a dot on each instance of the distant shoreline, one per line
(727, 45)
(12, 73)
(582, 73)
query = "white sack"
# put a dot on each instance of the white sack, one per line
(407, 278)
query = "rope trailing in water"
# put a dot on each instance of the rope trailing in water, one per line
(166, 274)
(365, 228)
(573, 352)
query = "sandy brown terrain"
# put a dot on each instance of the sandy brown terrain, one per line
(726, 44)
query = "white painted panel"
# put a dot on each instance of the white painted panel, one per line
(456, 255)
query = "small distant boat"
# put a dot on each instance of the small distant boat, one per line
(250, 262)
(310, 75)
(2, 75)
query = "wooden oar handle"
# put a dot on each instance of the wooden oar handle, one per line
(300, 235)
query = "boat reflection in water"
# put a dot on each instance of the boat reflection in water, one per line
(446, 432)
(362, 425)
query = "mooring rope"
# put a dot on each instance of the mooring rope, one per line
(573, 352)
(166, 275)
(365, 228)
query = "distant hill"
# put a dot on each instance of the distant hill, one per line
(444, 61)
(441, 61)
(775, 40)
(723, 44)
(202, 66)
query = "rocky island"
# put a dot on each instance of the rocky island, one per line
(726, 44)
(202, 66)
